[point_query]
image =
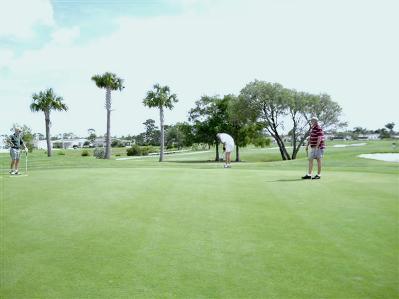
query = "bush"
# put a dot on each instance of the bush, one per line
(262, 142)
(61, 153)
(117, 143)
(145, 150)
(85, 153)
(135, 150)
(99, 153)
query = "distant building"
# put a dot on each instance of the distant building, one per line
(60, 143)
(368, 137)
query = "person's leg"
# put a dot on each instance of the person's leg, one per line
(13, 157)
(310, 166)
(16, 165)
(310, 169)
(319, 166)
(228, 157)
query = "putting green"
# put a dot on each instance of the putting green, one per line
(77, 227)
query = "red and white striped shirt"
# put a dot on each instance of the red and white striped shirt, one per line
(315, 133)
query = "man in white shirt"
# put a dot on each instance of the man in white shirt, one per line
(228, 144)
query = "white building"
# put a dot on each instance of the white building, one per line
(60, 143)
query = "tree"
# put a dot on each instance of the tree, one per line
(160, 97)
(152, 134)
(46, 101)
(273, 104)
(209, 117)
(92, 136)
(179, 135)
(241, 122)
(269, 103)
(390, 127)
(305, 106)
(109, 82)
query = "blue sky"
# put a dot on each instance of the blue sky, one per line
(347, 49)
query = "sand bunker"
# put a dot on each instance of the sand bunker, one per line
(388, 157)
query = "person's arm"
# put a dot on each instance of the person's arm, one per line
(319, 139)
(23, 143)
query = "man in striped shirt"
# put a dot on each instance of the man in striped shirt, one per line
(316, 142)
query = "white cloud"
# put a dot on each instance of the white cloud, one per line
(6, 57)
(18, 17)
(64, 36)
(301, 46)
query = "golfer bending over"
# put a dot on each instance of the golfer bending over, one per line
(228, 144)
(316, 142)
(16, 142)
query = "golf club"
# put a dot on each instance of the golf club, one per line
(26, 162)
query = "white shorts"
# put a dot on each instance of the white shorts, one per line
(229, 148)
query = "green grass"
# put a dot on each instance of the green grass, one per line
(77, 227)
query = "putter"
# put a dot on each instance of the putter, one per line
(26, 162)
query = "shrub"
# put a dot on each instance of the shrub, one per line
(61, 153)
(99, 153)
(85, 153)
(145, 150)
(117, 143)
(135, 150)
(262, 142)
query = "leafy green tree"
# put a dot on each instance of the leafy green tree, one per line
(109, 82)
(273, 104)
(161, 98)
(152, 134)
(179, 135)
(47, 101)
(301, 107)
(390, 127)
(92, 135)
(269, 103)
(209, 117)
(242, 123)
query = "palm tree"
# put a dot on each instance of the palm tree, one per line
(110, 82)
(161, 98)
(46, 101)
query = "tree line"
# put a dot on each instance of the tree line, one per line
(260, 107)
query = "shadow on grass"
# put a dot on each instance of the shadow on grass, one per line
(285, 180)
(190, 161)
(199, 161)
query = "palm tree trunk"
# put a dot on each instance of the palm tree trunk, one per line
(108, 137)
(47, 120)
(162, 133)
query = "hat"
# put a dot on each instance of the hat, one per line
(314, 118)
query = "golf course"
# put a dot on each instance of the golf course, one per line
(81, 227)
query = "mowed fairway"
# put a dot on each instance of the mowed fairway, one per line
(77, 227)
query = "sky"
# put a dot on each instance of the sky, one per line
(345, 48)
